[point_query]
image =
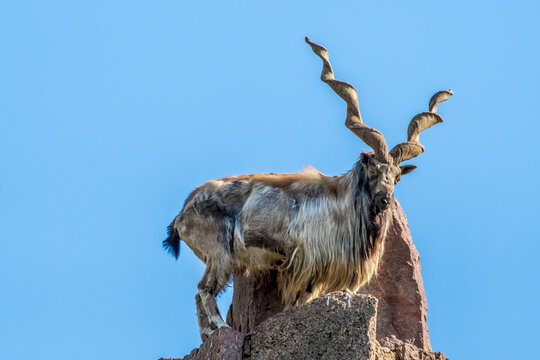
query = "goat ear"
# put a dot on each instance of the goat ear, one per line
(405, 169)
(364, 158)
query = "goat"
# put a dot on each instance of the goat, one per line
(321, 233)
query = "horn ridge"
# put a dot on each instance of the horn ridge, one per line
(412, 147)
(372, 137)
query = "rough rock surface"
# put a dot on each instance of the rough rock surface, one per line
(253, 302)
(340, 325)
(405, 351)
(336, 326)
(224, 344)
(398, 286)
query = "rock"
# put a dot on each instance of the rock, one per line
(223, 344)
(340, 325)
(406, 351)
(253, 302)
(398, 286)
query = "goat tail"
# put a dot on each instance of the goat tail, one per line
(172, 243)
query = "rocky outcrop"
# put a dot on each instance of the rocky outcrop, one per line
(253, 302)
(386, 321)
(402, 313)
(337, 326)
(224, 344)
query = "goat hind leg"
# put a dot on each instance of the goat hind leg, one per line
(214, 280)
(205, 329)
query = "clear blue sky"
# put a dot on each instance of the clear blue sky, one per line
(112, 112)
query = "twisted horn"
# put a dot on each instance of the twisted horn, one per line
(412, 147)
(372, 137)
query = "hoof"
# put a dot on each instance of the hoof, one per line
(206, 333)
(217, 322)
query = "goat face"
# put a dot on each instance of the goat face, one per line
(381, 178)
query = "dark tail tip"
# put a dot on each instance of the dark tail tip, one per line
(172, 242)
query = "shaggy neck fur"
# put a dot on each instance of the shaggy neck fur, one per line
(340, 241)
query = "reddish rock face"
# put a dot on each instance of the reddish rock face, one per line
(398, 287)
(253, 302)
(336, 326)
(223, 344)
